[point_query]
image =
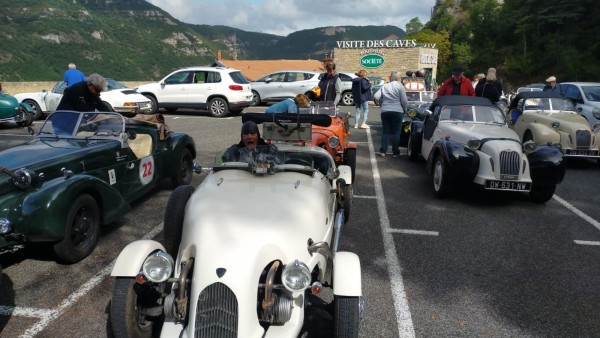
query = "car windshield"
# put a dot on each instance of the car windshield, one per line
(548, 104)
(70, 124)
(269, 159)
(592, 93)
(112, 84)
(482, 114)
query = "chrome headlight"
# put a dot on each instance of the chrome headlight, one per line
(555, 124)
(5, 226)
(296, 276)
(529, 147)
(333, 141)
(22, 178)
(596, 127)
(412, 113)
(158, 267)
(474, 143)
(596, 113)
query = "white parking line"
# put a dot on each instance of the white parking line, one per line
(414, 232)
(577, 212)
(587, 242)
(403, 316)
(47, 316)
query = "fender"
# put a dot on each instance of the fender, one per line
(26, 107)
(416, 132)
(346, 274)
(546, 164)
(345, 173)
(461, 162)
(47, 208)
(131, 258)
(178, 142)
(543, 132)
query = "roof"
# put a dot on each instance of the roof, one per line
(535, 94)
(255, 69)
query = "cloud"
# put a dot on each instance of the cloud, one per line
(282, 17)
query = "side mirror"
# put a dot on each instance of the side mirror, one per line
(267, 80)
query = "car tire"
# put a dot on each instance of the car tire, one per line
(440, 177)
(411, 149)
(27, 118)
(346, 316)
(345, 198)
(350, 160)
(153, 104)
(37, 110)
(81, 230)
(218, 107)
(125, 317)
(541, 193)
(186, 168)
(173, 220)
(255, 98)
(347, 98)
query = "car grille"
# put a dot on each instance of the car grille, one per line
(217, 312)
(510, 163)
(583, 139)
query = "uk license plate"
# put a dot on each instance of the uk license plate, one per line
(508, 185)
(576, 152)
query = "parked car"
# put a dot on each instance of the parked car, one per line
(586, 96)
(283, 84)
(249, 267)
(82, 170)
(376, 83)
(418, 103)
(11, 110)
(545, 117)
(521, 90)
(347, 99)
(221, 91)
(116, 96)
(466, 140)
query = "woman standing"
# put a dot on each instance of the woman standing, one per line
(361, 92)
(393, 101)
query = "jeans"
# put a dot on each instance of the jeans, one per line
(391, 125)
(365, 108)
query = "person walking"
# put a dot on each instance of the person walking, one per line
(361, 92)
(458, 84)
(73, 75)
(393, 102)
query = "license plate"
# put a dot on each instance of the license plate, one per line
(576, 152)
(508, 185)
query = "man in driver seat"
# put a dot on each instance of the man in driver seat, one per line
(250, 139)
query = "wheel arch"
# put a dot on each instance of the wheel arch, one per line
(131, 258)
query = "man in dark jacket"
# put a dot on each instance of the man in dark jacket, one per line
(244, 150)
(84, 96)
(457, 84)
(491, 73)
(331, 85)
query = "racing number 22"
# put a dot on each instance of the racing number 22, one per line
(147, 169)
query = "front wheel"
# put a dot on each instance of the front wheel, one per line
(81, 230)
(346, 316)
(173, 221)
(350, 160)
(346, 196)
(347, 98)
(411, 149)
(37, 110)
(127, 310)
(440, 177)
(26, 118)
(218, 107)
(542, 194)
(185, 172)
(255, 98)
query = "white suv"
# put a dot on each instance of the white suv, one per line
(586, 96)
(219, 90)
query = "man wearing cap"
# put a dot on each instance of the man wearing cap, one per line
(250, 139)
(457, 84)
(84, 96)
(552, 86)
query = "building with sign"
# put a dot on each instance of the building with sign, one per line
(381, 57)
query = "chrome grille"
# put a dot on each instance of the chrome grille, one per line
(217, 312)
(583, 139)
(510, 162)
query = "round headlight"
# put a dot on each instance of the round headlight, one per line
(158, 267)
(22, 178)
(333, 142)
(474, 143)
(5, 226)
(596, 127)
(296, 276)
(555, 124)
(412, 113)
(529, 147)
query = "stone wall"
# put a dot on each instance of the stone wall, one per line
(12, 88)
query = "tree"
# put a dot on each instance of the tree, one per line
(413, 26)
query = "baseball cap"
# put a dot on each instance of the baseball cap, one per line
(457, 70)
(249, 127)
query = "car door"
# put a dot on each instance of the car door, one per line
(52, 99)
(273, 86)
(296, 83)
(203, 85)
(141, 172)
(176, 87)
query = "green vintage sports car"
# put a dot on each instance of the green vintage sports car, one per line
(13, 111)
(83, 170)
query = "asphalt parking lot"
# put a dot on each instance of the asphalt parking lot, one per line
(477, 264)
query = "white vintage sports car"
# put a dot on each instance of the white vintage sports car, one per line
(121, 99)
(245, 251)
(466, 140)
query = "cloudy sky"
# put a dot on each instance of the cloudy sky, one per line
(282, 17)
